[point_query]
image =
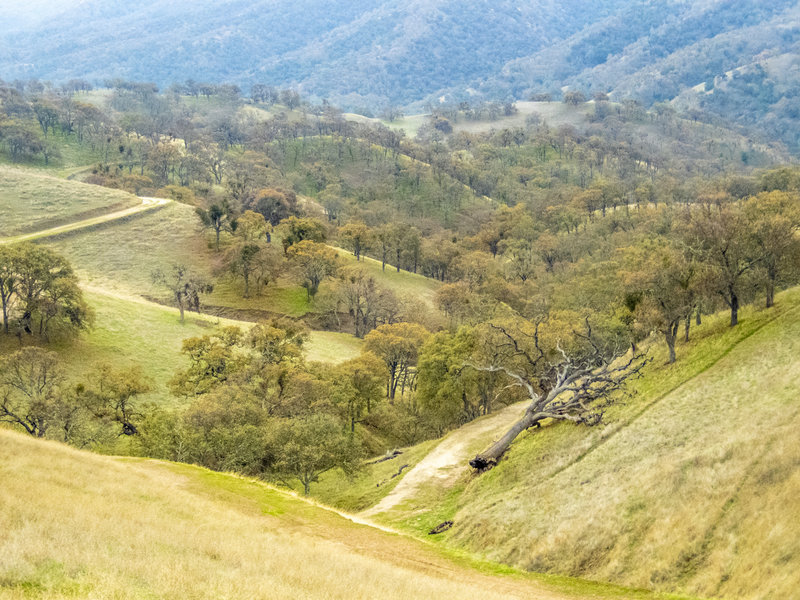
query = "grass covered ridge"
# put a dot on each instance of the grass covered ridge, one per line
(78, 525)
(698, 472)
(31, 201)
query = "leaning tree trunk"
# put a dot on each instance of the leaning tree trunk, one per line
(489, 457)
(582, 389)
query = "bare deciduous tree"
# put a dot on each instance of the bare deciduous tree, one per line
(576, 385)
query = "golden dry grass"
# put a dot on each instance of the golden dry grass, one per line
(31, 201)
(77, 525)
(694, 487)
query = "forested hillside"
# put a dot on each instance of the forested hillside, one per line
(738, 53)
(263, 284)
(356, 53)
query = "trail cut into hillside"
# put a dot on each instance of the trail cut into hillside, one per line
(448, 460)
(146, 205)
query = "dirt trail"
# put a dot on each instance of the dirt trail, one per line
(147, 204)
(449, 459)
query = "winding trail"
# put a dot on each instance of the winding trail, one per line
(448, 460)
(146, 205)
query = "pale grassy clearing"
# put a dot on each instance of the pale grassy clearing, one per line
(554, 113)
(78, 525)
(404, 283)
(332, 347)
(129, 330)
(31, 201)
(698, 473)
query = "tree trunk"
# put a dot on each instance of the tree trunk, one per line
(770, 292)
(5, 315)
(669, 335)
(687, 324)
(180, 306)
(734, 310)
(489, 458)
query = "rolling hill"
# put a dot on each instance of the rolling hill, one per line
(362, 52)
(697, 473)
(78, 525)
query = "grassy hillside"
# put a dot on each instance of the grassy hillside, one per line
(404, 283)
(31, 201)
(698, 472)
(129, 330)
(78, 525)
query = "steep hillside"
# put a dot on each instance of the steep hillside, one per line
(657, 51)
(360, 51)
(77, 525)
(698, 473)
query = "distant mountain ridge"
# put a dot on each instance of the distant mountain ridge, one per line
(367, 54)
(362, 51)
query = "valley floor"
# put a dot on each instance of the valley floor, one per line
(78, 525)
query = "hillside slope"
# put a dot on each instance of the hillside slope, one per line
(79, 525)
(698, 473)
(356, 52)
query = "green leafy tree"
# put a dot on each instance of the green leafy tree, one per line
(31, 394)
(357, 387)
(314, 262)
(296, 229)
(112, 396)
(357, 237)
(313, 445)
(39, 289)
(397, 345)
(212, 360)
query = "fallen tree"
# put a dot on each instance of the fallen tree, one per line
(576, 384)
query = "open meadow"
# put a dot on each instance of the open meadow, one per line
(32, 201)
(78, 525)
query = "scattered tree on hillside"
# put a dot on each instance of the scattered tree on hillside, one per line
(774, 219)
(314, 261)
(720, 240)
(668, 288)
(313, 445)
(218, 217)
(397, 345)
(366, 301)
(184, 286)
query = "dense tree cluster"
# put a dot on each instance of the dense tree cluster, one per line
(563, 246)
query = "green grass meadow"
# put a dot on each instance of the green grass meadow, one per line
(32, 201)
